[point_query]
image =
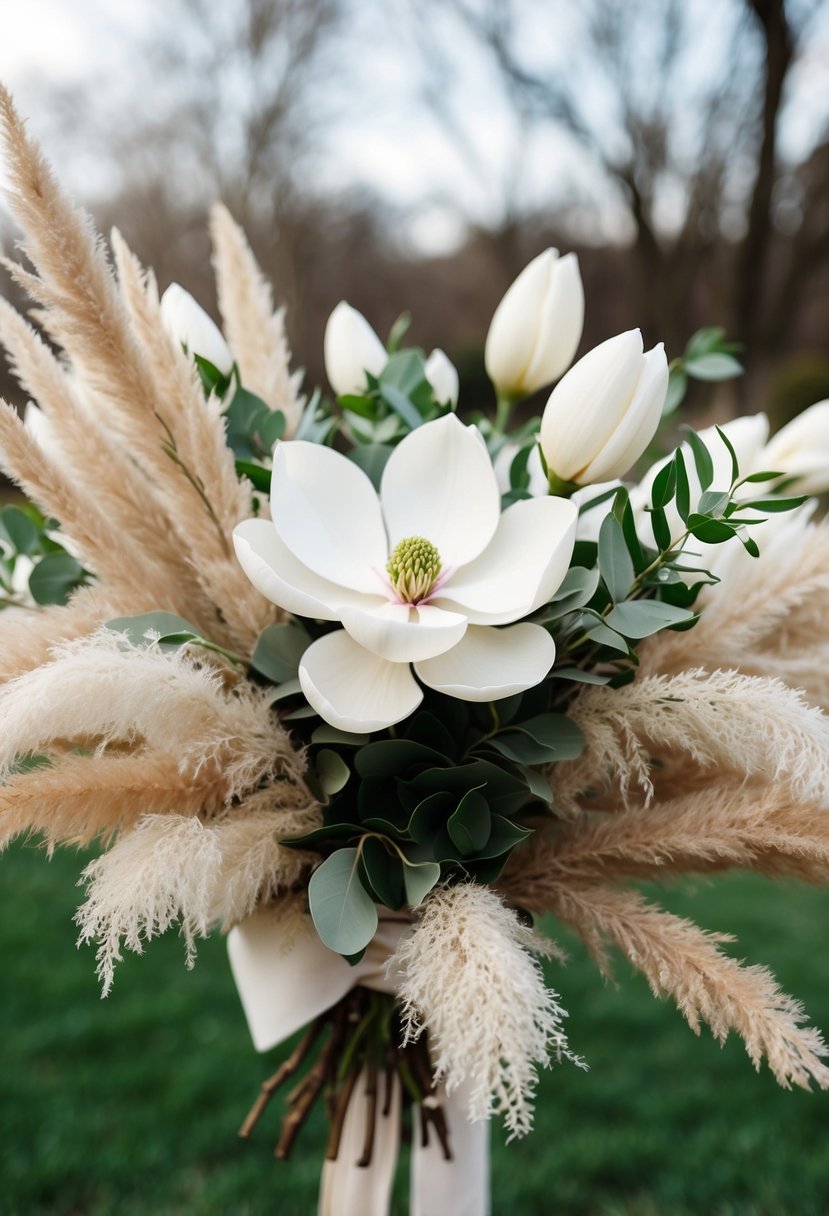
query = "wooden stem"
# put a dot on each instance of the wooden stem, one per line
(285, 1070)
(371, 1113)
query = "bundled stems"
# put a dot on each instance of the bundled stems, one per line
(363, 1047)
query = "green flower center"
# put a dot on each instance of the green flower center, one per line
(413, 568)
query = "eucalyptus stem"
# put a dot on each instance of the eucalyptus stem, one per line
(504, 405)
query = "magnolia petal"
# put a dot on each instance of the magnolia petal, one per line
(274, 571)
(521, 568)
(402, 633)
(560, 324)
(439, 483)
(353, 689)
(326, 511)
(491, 663)
(638, 426)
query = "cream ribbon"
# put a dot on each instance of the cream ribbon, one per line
(283, 984)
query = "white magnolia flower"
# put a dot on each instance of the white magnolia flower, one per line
(605, 411)
(351, 348)
(418, 575)
(801, 450)
(443, 377)
(537, 326)
(187, 322)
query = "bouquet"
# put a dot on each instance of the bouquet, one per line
(373, 688)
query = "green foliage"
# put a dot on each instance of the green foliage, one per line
(395, 403)
(708, 357)
(27, 537)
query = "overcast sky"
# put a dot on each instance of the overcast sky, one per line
(387, 141)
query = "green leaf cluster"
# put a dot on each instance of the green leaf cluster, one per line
(450, 798)
(707, 356)
(25, 534)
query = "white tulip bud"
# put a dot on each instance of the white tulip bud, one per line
(351, 348)
(537, 326)
(189, 324)
(443, 377)
(604, 413)
(801, 450)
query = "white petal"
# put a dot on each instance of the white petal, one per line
(638, 426)
(589, 403)
(284, 580)
(403, 634)
(560, 324)
(190, 325)
(521, 568)
(513, 331)
(353, 689)
(351, 348)
(443, 377)
(439, 483)
(491, 663)
(327, 513)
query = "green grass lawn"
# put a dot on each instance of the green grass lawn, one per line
(131, 1105)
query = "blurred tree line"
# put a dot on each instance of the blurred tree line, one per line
(652, 134)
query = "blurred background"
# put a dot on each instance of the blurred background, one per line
(414, 154)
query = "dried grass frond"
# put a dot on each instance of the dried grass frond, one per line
(254, 330)
(78, 300)
(196, 432)
(723, 827)
(28, 637)
(682, 961)
(90, 459)
(173, 869)
(467, 971)
(750, 726)
(100, 691)
(77, 798)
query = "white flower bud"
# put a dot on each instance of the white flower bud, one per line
(351, 349)
(801, 450)
(604, 413)
(443, 377)
(537, 326)
(189, 324)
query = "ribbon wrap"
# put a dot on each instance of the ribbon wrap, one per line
(286, 982)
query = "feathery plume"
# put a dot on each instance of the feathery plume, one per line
(467, 972)
(72, 799)
(101, 690)
(682, 961)
(172, 868)
(751, 726)
(255, 332)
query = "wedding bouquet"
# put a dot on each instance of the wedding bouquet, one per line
(372, 687)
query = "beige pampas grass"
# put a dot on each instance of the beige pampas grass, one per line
(684, 962)
(102, 691)
(467, 971)
(718, 827)
(172, 869)
(255, 331)
(75, 798)
(752, 727)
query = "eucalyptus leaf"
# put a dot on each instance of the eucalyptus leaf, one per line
(419, 880)
(163, 624)
(331, 734)
(702, 458)
(383, 872)
(470, 824)
(372, 459)
(615, 564)
(21, 529)
(278, 652)
(714, 366)
(55, 577)
(342, 910)
(332, 772)
(641, 618)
